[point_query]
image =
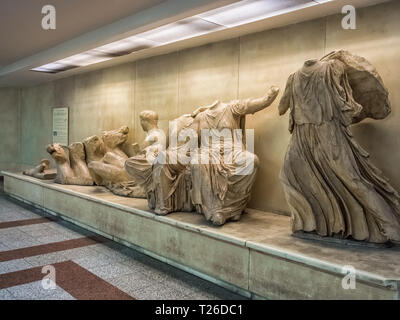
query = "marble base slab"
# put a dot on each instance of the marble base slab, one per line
(256, 257)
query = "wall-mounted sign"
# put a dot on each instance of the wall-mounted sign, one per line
(60, 126)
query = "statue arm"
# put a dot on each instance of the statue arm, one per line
(285, 102)
(258, 104)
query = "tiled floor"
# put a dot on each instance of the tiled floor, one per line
(86, 269)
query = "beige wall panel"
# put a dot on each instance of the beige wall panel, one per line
(376, 39)
(118, 93)
(36, 122)
(156, 88)
(9, 127)
(86, 112)
(208, 73)
(64, 93)
(268, 58)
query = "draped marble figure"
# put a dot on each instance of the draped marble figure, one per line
(221, 189)
(140, 166)
(330, 184)
(217, 189)
(171, 179)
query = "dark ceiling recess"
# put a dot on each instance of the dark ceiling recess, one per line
(22, 19)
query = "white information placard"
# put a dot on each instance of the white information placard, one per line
(60, 126)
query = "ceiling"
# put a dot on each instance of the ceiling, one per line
(86, 24)
(21, 33)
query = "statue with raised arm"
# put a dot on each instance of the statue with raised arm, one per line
(331, 186)
(222, 174)
(217, 189)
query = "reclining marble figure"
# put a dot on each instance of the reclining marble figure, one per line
(95, 151)
(71, 164)
(220, 191)
(331, 186)
(140, 166)
(106, 162)
(42, 171)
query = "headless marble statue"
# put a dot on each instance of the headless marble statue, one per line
(77, 158)
(70, 172)
(331, 186)
(218, 190)
(106, 161)
(221, 187)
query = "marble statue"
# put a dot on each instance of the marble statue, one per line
(221, 189)
(77, 158)
(171, 180)
(217, 189)
(106, 162)
(42, 171)
(69, 172)
(331, 186)
(95, 151)
(140, 166)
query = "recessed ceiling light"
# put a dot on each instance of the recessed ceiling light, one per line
(247, 11)
(126, 46)
(100, 54)
(180, 30)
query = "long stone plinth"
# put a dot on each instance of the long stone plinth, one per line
(256, 257)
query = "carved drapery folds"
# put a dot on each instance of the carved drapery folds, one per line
(330, 184)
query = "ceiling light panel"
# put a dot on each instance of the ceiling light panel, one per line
(126, 46)
(54, 68)
(78, 60)
(180, 30)
(100, 54)
(247, 11)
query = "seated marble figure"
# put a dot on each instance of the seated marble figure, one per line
(218, 190)
(149, 169)
(106, 160)
(71, 164)
(140, 166)
(42, 171)
(221, 186)
(330, 183)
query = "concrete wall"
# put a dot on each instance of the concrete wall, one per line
(244, 67)
(9, 128)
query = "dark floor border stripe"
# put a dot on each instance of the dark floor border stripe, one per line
(17, 278)
(49, 248)
(84, 285)
(74, 279)
(25, 222)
